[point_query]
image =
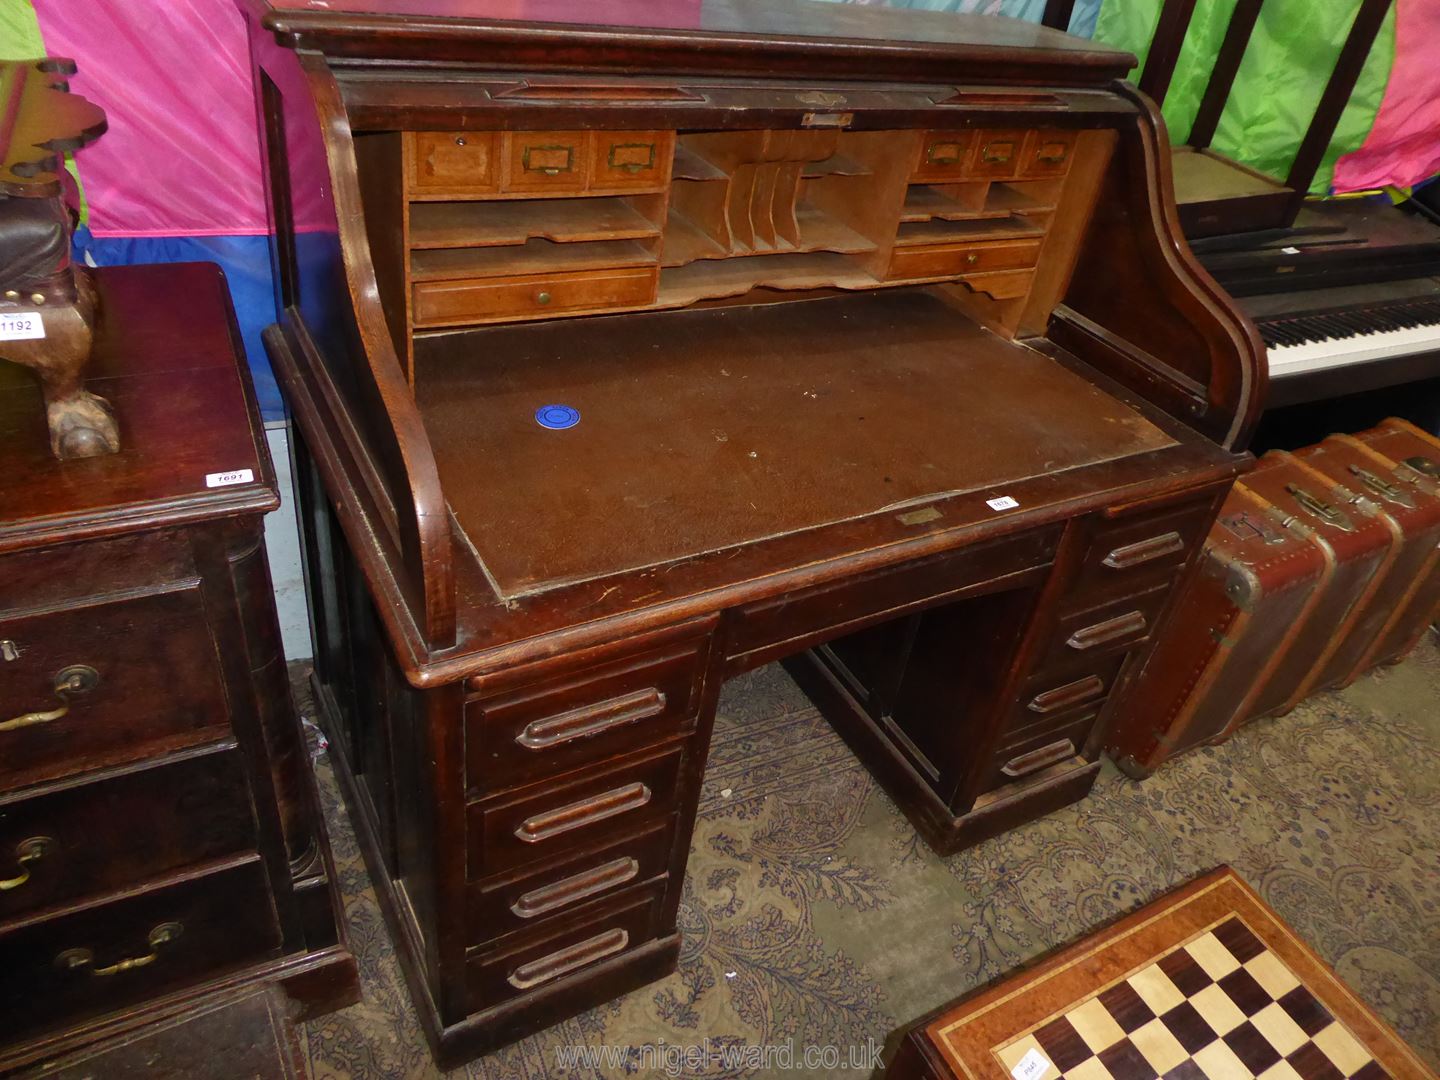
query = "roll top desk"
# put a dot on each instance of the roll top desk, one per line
(627, 358)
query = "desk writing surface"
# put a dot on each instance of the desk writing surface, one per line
(704, 429)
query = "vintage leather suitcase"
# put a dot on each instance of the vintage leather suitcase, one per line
(1363, 546)
(1404, 597)
(1256, 585)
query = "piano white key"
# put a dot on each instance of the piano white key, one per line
(1341, 352)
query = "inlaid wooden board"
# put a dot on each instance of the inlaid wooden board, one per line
(1205, 984)
(704, 429)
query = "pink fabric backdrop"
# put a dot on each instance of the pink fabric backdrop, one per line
(181, 157)
(1403, 146)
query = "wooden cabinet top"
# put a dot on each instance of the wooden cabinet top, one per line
(772, 38)
(168, 358)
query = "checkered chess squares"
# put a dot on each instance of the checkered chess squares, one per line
(1221, 1007)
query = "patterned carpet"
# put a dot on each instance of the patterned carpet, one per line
(813, 915)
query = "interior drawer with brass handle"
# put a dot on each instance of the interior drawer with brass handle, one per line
(84, 691)
(103, 957)
(619, 707)
(943, 155)
(87, 840)
(565, 887)
(478, 300)
(552, 161)
(950, 260)
(631, 160)
(532, 961)
(532, 825)
(997, 154)
(1048, 154)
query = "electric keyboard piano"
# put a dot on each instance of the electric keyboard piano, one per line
(1348, 301)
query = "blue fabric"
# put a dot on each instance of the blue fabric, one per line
(246, 262)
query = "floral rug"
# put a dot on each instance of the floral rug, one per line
(816, 924)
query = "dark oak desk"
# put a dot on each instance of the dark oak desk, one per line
(894, 368)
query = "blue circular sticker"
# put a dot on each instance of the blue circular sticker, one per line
(557, 417)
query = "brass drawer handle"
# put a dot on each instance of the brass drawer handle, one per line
(564, 961)
(615, 159)
(161, 938)
(576, 887)
(586, 720)
(1035, 760)
(543, 154)
(1143, 551)
(75, 679)
(943, 153)
(1064, 697)
(620, 800)
(997, 153)
(27, 853)
(1052, 156)
(1131, 624)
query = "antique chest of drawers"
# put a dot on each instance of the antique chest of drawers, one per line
(159, 829)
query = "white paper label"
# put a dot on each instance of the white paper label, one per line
(1005, 502)
(1030, 1067)
(1290, 251)
(225, 479)
(24, 326)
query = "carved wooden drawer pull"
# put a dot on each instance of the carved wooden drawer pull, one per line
(564, 961)
(1068, 696)
(585, 812)
(76, 679)
(161, 938)
(1129, 625)
(575, 887)
(27, 854)
(1143, 551)
(586, 720)
(1035, 760)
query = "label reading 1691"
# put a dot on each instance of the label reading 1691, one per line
(22, 326)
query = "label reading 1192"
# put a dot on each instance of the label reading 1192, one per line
(21, 326)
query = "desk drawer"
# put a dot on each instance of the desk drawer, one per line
(595, 715)
(623, 160)
(109, 955)
(532, 825)
(99, 684)
(560, 889)
(786, 624)
(1048, 154)
(943, 155)
(536, 962)
(1128, 554)
(89, 839)
(1052, 701)
(1084, 636)
(1038, 751)
(459, 162)
(946, 260)
(547, 161)
(440, 303)
(998, 154)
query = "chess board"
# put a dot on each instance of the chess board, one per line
(1205, 983)
(1222, 1007)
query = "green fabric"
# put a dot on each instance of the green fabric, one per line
(20, 40)
(1281, 78)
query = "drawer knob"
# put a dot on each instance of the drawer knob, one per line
(27, 854)
(1157, 547)
(973, 258)
(564, 961)
(161, 938)
(459, 140)
(75, 679)
(542, 298)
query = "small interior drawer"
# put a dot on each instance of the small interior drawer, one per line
(997, 154)
(547, 729)
(1047, 154)
(455, 162)
(942, 260)
(943, 155)
(535, 962)
(1082, 637)
(86, 840)
(87, 689)
(469, 300)
(553, 161)
(563, 888)
(107, 956)
(630, 160)
(532, 825)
